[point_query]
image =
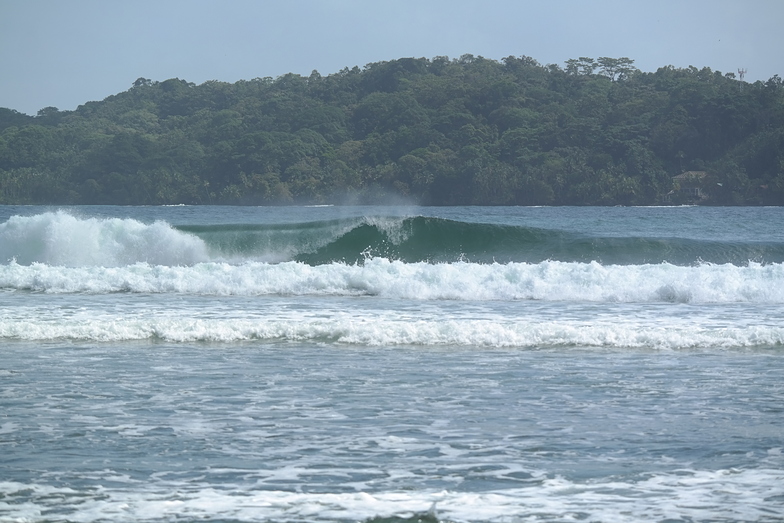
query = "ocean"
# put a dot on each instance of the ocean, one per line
(391, 364)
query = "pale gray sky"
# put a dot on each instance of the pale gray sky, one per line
(64, 53)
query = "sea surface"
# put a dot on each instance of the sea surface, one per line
(391, 364)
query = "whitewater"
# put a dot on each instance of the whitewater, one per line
(391, 364)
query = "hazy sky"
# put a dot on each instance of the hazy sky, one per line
(64, 53)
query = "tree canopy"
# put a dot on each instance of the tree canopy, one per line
(438, 131)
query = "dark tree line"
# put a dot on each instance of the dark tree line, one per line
(440, 131)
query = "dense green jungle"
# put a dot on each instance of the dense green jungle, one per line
(440, 131)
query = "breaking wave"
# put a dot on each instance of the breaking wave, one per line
(59, 238)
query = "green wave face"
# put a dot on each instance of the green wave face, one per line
(434, 240)
(273, 243)
(437, 240)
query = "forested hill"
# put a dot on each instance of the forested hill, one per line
(439, 131)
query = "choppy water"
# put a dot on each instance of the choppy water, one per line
(371, 363)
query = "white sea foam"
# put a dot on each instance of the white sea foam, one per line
(379, 330)
(723, 495)
(547, 281)
(61, 239)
